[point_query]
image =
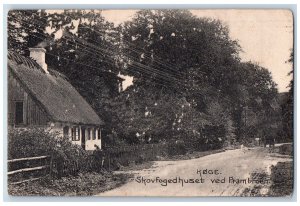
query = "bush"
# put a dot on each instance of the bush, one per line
(178, 148)
(67, 158)
(282, 178)
(30, 142)
(286, 149)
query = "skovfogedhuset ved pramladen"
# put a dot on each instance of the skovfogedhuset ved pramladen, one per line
(150, 102)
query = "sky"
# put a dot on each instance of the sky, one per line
(265, 36)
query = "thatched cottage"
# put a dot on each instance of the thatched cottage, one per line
(38, 96)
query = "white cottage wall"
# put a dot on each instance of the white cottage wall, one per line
(90, 140)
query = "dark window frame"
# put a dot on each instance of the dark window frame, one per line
(99, 133)
(19, 118)
(89, 133)
(94, 134)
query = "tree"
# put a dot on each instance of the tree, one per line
(195, 60)
(254, 100)
(171, 42)
(288, 106)
(26, 28)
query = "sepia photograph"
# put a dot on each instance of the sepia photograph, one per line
(150, 102)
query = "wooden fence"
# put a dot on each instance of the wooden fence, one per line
(28, 169)
(111, 158)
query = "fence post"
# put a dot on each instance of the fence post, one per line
(51, 165)
(109, 161)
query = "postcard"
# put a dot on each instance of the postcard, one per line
(152, 103)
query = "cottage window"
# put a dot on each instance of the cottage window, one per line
(75, 134)
(19, 113)
(94, 134)
(99, 133)
(89, 133)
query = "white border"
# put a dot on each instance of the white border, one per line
(157, 2)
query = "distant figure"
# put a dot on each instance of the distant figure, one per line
(268, 138)
(257, 141)
(269, 141)
(243, 148)
(97, 147)
(260, 141)
(98, 157)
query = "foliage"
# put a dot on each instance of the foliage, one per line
(86, 184)
(142, 119)
(282, 177)
(288, 106)
(23, 31)
(255, 105)
(31, 142)
(176, 37)
(188, 80)
(193, 80)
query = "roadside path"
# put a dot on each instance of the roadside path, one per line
(238, 164)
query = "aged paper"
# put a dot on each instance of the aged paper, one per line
(170, 103)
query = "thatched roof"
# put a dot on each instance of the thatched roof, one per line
(52, 91)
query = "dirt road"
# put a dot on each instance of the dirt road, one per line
(221, 174)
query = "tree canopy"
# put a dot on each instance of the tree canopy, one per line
(192, 63)
(189, 82)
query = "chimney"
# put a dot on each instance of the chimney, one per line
(38, 54)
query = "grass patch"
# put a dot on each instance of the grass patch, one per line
(82, 185)
(286, 149)
(282, 179)
(261, 188)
